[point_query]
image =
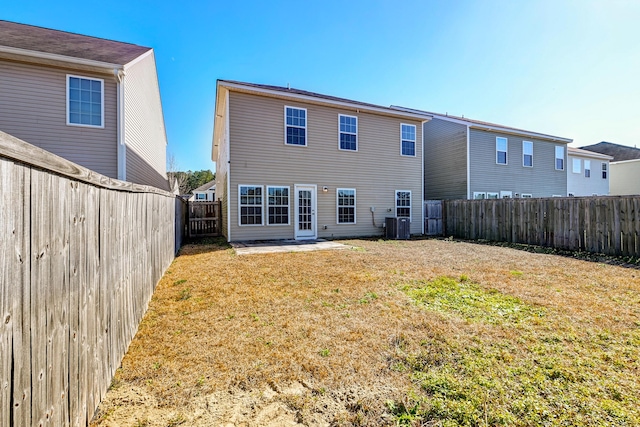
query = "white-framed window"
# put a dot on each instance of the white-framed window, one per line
(201, 196)
(479, 195)
(559, 158)
(587, 168)
(277, 205)
(491, 195)
(407, 140)
(604, 171)
(501, 150)
(295, 126)
(576, 166)
(347, 132)
(527, 195)
(85, 101)
(346, 204)
(403, 203)
(250, 204)
(506, 194)
(527, 154)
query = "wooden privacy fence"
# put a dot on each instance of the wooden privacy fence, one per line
(608, 225)
(80, 256)
(204, 219)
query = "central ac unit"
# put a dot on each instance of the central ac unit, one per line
(397, 228)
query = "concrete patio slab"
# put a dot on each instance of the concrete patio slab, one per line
(275, 246)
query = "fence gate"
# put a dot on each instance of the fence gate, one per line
(433, 217)
(204, 219)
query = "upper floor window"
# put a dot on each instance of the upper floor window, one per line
(501, 150)
(403, 203)
(250, 204)
(559, 158)
(201, 196)
(575, 167)
(85, 105)
(346, 205)
(527, 154)
(277, 205)
(407, 140)
(295, 121)
(587, 168)
(348, 132)
(604, 171)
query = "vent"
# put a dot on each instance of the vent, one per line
(397, 228)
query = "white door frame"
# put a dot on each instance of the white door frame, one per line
(305, 234)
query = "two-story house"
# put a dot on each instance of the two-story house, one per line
(292, 164)
(587, 173)
(624, 165)
(471, 159)
(93, 101)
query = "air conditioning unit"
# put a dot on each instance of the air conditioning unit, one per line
(397, 228)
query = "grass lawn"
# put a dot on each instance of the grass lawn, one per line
(426, 332)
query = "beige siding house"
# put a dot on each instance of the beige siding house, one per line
(292, 164)
(95, 102)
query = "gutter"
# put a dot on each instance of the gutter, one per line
(57, 57)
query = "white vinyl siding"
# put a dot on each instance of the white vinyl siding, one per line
(346, 205)
(407, 140)
(527, 154)
(559, 158)
(277, 205)
(501, 150)
(403, 203)
(250, 205)
(347, 132)
(295, 123)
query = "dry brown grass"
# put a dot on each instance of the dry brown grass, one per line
(339, 324)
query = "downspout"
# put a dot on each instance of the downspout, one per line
(122, 148)
(468, 166)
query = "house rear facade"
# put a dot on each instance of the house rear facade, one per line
(588, 173)
(292, 164)
(93, 101)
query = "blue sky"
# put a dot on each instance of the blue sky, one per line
(567, 68)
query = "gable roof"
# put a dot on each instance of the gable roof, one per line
(205, 187)
(586, 153)
(478, 124)
(617, 151)
(29, 38)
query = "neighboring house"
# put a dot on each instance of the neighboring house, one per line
(587, 173)
(625, 167)
(471, 159)
(204, 193)
(93, 101)
(292, 164)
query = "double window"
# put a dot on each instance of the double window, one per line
(295, 123)
(527, 154)
(348, 132)
(250, 204)
(346, 201)
(85, 101)
(277, 205)
(501, 150)
(403, 203)
(559, 158)
(407, 140)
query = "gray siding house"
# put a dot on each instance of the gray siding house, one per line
(587, 173)
(470, 159)
(292, 164)
(93, 101)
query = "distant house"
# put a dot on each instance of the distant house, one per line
(293, 164)
(93, 101)
(204, 193)
(625, 167)
(471, 159)
(588, 173)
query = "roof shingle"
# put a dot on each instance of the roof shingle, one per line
(617, 151)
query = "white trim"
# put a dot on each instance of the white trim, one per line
(320, 100)
(288, 205)
(240, 205)
(355, 201)
(506, 194)
(506, 151)
(122, 147)
(624, 161)
(348, 133)
(102, 120)
(137, 59)
(314, 207)
(228, 160)
(605, 170)
(555, 157)
(468, 164)
(306, 134)
(395, 204)
(523, 154)
(415, 140)
(526, 195)
(57, 57)
(424, 206)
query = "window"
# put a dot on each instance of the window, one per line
(604, 171)
(295, 122)
(407, 140)
(492, 195)
(346, 200)
(506, 194)
(526, 196)
(479, 195)
(201, 196)
(559, 158)
(587, 168)
(348, 132)
(501, 150)
(576, 166)
(250, 203)
(527, 154)
(403, 203)
(278, 205)
(84, 101)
